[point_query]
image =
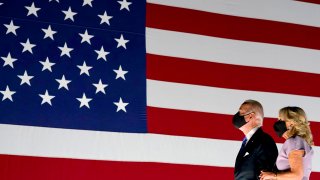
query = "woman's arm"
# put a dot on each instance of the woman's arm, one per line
(296, 168)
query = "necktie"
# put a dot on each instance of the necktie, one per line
(244, 141)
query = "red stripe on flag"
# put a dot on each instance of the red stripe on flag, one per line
(230, 76)
(206, 125)
(39, 168)
(190, 123)
(310, 1)
(232, 27)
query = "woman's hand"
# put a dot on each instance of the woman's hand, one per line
(268, 176)
(285, 135)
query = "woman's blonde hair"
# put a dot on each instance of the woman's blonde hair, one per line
(301, 125)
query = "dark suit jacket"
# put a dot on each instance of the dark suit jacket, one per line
(260, 153)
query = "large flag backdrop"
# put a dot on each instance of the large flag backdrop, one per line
(130, 89)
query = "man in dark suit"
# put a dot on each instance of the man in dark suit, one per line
(258, 151)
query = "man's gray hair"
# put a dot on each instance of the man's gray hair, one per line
(257, 108)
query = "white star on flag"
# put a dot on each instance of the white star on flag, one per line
(121, 105)
(86, 37)
(101, 53)
(120, 73)
(25, 78)
(32, 10)
(49, 32)
(63, 83)
(47, 64)
(65, 50)
(84, 101)
(105, 18)
(46, 98)
(7, 94)
(69, 14)
(124, 4)
(121, 42)
(27, 46)
(11, 28)
(8, 60)
(84, 68)
(100, 87)
(54, 0)
(87, 2)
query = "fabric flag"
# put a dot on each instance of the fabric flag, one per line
(130, 89)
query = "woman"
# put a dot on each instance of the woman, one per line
(294, 159)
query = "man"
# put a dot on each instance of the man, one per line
(258, 151)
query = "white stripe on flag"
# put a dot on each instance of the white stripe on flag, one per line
(223, 101)
(212, 49)
(80, 144)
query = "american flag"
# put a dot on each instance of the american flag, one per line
(129, 89)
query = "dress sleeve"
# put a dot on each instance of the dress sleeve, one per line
(296, 143)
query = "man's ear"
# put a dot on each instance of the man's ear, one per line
(252, 115)
(249, 118)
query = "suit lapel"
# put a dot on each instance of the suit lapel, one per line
(250, 145)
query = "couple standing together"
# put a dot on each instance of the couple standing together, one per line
(258, 157)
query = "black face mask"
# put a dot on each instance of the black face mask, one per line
(238, 121)
(280, 127)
